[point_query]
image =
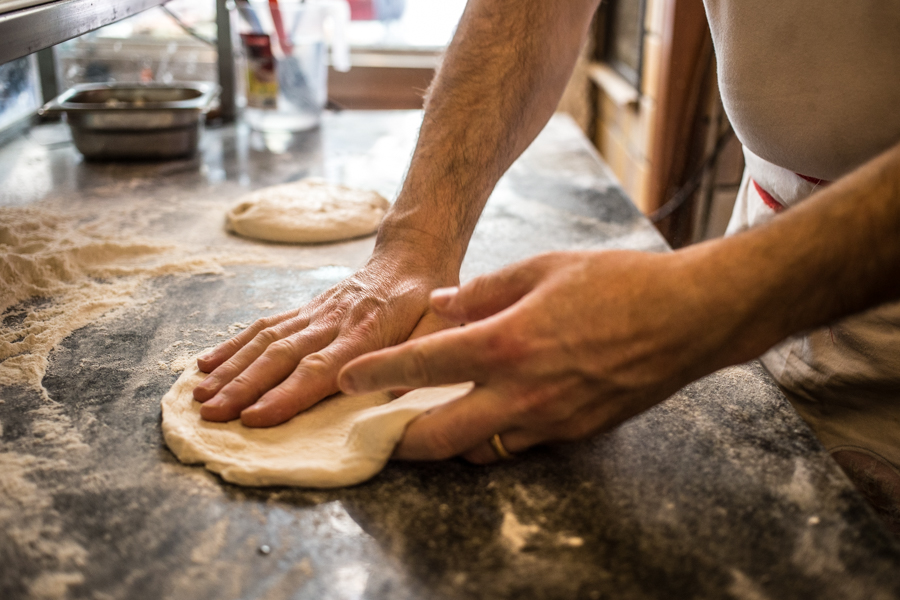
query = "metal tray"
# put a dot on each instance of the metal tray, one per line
(131, 121)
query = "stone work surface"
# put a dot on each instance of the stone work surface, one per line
(720, 492)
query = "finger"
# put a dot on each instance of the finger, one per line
(245, 356)
(266, 372)
(430, 323)
(451, 356)
(515, 441)
(455, 427)
(582, 424)
(218, 355)
(314, 379)
(485, 295)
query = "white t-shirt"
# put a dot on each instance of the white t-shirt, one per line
(812, 88)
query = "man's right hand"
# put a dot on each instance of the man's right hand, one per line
(285, 363)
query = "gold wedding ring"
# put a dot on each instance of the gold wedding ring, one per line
(500, 449)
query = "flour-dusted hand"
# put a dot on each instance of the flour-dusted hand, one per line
(285, 363)
(561, 346)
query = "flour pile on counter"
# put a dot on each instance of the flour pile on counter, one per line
(340, 441)
(307, 211)
(61, 272)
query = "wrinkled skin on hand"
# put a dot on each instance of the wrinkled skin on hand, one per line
(561, 346)
(285, 363)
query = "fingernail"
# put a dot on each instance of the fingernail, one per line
(442, 296)
(205, 356)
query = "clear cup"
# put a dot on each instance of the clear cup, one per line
(283, 62)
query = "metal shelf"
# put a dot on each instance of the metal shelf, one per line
(28, 30)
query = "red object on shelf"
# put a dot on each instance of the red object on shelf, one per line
(286, 46)
(362, 10)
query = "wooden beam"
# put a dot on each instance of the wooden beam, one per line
(685, 41)
(379, 87)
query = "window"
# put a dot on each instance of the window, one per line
(19, 91)
(625, 38)
(403, 24)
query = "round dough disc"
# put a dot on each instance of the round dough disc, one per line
(307, 211)
(340, 441)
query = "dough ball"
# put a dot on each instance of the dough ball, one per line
(340, 441)
(307, 211)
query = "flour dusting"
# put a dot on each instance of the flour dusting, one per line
(35, 527)
(516, 534)
(64, 271)
(61, 271)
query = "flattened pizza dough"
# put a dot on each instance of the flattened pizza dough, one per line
(307, 211)
(340, 441)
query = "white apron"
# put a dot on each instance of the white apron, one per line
(844, 380)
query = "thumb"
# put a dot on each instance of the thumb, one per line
(483, 296)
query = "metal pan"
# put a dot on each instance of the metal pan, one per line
(131, 121)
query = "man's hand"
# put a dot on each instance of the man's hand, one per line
(499, 82)
(569, 344)
(284, 364)
(560, 346)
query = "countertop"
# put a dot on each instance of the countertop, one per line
(719, 492)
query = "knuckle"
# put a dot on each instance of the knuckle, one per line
(416, 368)
(268, 336)
(246, 384)
(371, 305)
(478, 287)
(364, 332)
(336, 314)
(334, 310)
(282, 348)
(363, 315)
(529, 408)
(355, 304)
(368, 327)
(576, 429)
(556, 411)
(332, 316)
(257, 326)
(440, 446)
(230, 346)
(262, 324)
(317, 363)
(542, 413)
(539, 407)
(504, 347)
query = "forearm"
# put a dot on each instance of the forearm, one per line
(834, 255)
(500, 82)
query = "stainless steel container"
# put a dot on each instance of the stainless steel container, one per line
(131, 121)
